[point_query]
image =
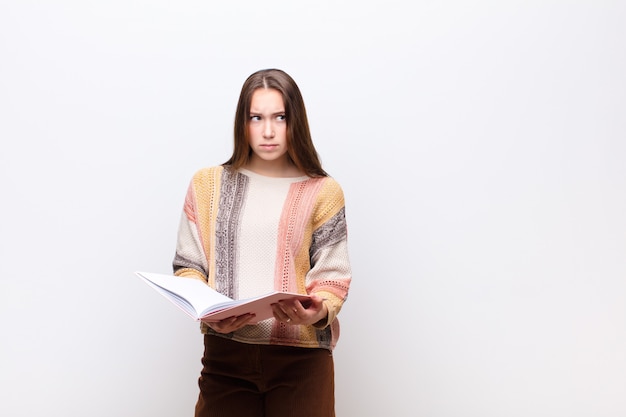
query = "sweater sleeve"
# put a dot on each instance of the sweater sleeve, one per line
(190, 260)
(330, 274)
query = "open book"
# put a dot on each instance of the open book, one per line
(203, 303)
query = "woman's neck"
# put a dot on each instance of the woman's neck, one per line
(273, 168)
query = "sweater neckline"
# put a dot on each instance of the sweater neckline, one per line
(255, 175)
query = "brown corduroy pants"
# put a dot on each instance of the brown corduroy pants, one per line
(247, 380)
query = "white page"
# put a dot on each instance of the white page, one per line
(182, 291)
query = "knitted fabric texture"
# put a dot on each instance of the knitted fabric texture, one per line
(294, 239)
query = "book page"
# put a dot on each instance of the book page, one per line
(190, 294)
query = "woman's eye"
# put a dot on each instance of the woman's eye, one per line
(255, 118)
(281, 117)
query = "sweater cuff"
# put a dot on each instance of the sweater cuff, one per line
(330, 316)
(190, 273)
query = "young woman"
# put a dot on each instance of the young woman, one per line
(270, 218)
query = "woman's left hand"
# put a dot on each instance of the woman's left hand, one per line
(291, 311)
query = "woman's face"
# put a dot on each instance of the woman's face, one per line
(267, 128)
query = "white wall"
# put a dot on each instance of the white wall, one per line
(481, 146)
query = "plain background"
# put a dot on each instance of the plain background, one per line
(481, 147)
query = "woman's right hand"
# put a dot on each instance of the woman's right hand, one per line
(230, 324)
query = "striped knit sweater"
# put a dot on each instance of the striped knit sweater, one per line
(246, 234)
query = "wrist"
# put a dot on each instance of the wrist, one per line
(323, 317)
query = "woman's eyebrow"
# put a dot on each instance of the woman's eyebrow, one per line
(258, 113)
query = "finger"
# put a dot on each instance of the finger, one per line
(230, 324)
(289, 308)
(285, 317)
(280, 312)
(240, 321)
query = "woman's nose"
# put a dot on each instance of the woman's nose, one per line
(268, 130)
